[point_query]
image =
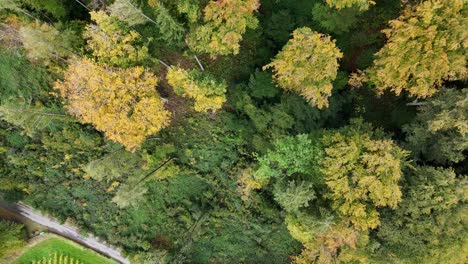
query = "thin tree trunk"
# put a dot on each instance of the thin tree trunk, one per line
(199, 63)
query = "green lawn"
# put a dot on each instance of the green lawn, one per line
(61, 247)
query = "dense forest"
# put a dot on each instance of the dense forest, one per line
(241, 131)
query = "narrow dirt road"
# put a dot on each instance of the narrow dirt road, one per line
(66, 231)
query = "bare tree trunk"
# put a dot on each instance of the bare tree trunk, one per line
(199, 63)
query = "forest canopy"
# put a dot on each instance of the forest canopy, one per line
(240, 131)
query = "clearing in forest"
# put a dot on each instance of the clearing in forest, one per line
(58, 250)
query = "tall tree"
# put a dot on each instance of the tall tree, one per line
(291, 156)
(12, 237)
(362, 171)
(361, 4)
(225, 23)
(307, 64)
(426, 45)
(429, 225)
(333, 20)
(122, 103)
(439, 132)
(204, 89)
(171, 31)
(112, 41)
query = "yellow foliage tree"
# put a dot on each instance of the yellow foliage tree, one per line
(307, 64)
(361, 4)
(225, 22)
(362, 173)
(426, 45)
(122, 103)
(112, 42)
(207, 93)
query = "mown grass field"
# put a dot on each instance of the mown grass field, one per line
(58, 250)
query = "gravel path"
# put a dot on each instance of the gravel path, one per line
(66, 231)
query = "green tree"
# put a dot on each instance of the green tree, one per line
(191, 8)
(12, 237)
(307, 64)
(439, 132)
(361, 4)
(430, 220)
(225, 23)
(362, 171)
(122, 103)
(19, 78)
(172, 32)
(55, 7)
(203, 88)
(112, 41)
(15, 6)
(291, 156)
(335, 21)
(426, 46)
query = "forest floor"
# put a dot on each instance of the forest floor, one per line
(66, 231)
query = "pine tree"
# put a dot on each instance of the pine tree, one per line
(172, 32)
(430, 223)
(439, 132)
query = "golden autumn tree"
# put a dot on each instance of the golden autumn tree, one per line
(225, 23)
(362, 173)
(307, 64)
(426, 45)
(207, 92)
(112, 42)
(360, 4)
(122, 103)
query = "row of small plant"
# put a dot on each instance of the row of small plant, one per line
(57, 258)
